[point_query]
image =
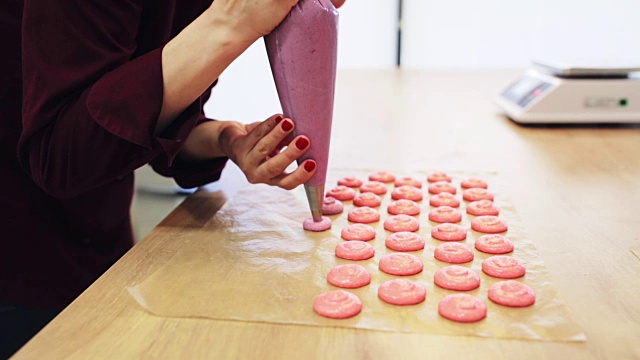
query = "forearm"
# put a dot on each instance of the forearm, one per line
(195, 58)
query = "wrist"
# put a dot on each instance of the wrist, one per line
(206, 141)
(225, 134)
(233, 32)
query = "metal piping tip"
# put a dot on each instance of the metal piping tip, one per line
(315, 195)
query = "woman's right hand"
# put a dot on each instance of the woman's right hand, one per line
(251, 19)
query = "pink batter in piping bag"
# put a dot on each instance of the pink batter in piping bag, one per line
(302, 52)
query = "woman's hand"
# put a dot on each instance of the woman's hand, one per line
(256, 149)
(250, 19)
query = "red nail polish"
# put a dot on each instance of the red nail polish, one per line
(310, 165)
(287, 125)
(279, 118)
(302, 143)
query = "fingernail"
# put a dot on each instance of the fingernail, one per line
(287, 125)
(302, 143)
(279, 118)
(310, 165)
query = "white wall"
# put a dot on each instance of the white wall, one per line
(367, 34)
(367, 39)
(499, 33)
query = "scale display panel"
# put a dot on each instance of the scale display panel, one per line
(523, 91)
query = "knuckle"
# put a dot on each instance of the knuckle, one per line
(252, 178)
(260, 131)
(263, 149)
(293, 181)
(291, 155)
(272, 170)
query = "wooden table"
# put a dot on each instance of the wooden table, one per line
(577, 190)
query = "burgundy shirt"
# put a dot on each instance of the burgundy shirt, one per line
(81, 93)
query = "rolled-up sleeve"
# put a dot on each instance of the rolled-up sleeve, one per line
(93, 91)
(190, 173)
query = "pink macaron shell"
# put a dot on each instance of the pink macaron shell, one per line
(442, 186)
(456, 277)
(494, 244)
(482, 207)
(512, 293)
(407, 192)
(402, 292)
(376, 187)
(403, 206)
(401, 264)
(453, 253)
(349, 276)
(475, 194)
(404, 241)
(449, 232)
(363, 214)
(355, 250)
(342, 193)
(438, 176)
(402, 222)
(382, 176)
(444, 198)
(337, 304)
(367, 199)
(489, 224)
(445, 214)
(362, 232)
(462, 308)
(311, 225)
(474, 182)
(332, 206)
(408, 180)
(503, 267)
(350, 181)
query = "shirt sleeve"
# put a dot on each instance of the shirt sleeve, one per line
(188, 173)
(93, 94)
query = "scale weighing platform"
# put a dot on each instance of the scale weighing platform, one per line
(551, 93)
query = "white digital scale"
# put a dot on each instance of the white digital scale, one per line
(567, 93)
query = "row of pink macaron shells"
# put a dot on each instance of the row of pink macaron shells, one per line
(407, 189)
(419, 294)
(406, 196)
(439, 181)
(388, 177)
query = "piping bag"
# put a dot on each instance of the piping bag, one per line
(302, 52)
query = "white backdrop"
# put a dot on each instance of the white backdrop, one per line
(510, 33)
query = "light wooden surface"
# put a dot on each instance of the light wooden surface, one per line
(577, 191)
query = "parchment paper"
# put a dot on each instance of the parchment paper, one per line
(254, 262)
